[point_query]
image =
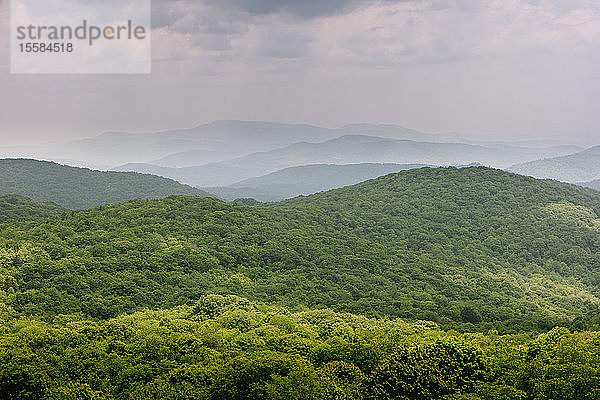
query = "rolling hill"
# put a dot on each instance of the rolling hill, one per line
(14, 207)
(471, 248)
(579, 167)
(79, 188)
(304, 180)
(349, 149)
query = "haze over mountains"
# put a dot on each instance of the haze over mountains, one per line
(294, 181)
(212, 142)
(272, 161)
(583, 166)
(241, 159)
(348, 149)
(225, 140)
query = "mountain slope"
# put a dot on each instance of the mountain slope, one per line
(579, 167)
(79, 188)
(304, 180)
(14, 207)
(463, 247)
(592, 185)
(350, 149)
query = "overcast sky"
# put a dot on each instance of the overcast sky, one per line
(491, 68)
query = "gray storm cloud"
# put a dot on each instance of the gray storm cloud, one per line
(491, 68)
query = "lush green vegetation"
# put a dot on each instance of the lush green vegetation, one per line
(14, 207)
(471, 249)
(226, 348)
(366, 292)
(80, 188)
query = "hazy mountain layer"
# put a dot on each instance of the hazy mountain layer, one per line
(304, 180)
(592, 185)
(351, 149)
(79, 188)
(212, 142)
(579, 167)
(224, 140)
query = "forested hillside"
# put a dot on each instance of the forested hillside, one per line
(14, 207)
(374, 291)
(471, 248)
(80, 188)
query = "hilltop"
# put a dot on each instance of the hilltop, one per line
(80, 188)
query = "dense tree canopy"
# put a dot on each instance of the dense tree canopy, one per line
(472, 249)
(80, 188)
(227, 348)
(195, 298)
(14, 207)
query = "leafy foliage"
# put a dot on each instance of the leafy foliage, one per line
(246, 350)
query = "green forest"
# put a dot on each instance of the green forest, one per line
(80, 188)
(226, 347)
(437, 283)
(15, 207)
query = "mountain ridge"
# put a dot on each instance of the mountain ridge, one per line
(305, 180)
(579, 167)
(79, 188)
(347, 149)
(14, 207)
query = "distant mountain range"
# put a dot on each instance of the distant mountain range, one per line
(349, 149)
(305, 180)
(583, 166)
(79, 188)
(224, 140)
(200, 145)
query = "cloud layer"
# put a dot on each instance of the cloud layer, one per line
(485, 67)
